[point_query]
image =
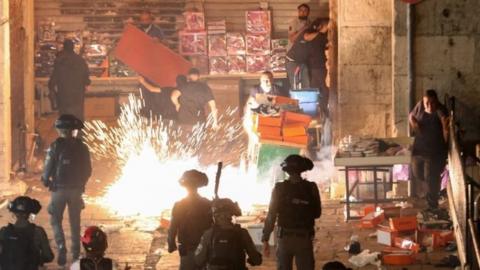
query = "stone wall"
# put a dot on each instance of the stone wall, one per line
(364, 68)
(446, 57)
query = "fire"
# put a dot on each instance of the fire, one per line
(152, 162)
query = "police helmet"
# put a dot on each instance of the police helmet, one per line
(24, 204)
(68, 121)
(193, 178)
(227, 206)
(296, 163)
(94, 239)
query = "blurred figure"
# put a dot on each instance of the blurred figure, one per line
(191, 216)
(429, 122)
(66, 171)
(335, 265)
(295, 203)
(24, 245)
(69, 81)
(224, 245)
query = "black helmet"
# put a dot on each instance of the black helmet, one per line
(94, 239)
(226, 206)
(193, 178)
(24, 204)
(68, 121)
(296, 163)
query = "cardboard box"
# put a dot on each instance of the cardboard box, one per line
(96, 107)
(297, 139)
(292, 130)
(291, 117)
(436, 238)
(406, 243)
(403, 223)
(269, 131)
(385, 235)
(269, 121)
(398, 257)
(372, 219)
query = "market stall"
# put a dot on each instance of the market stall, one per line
(368, 166)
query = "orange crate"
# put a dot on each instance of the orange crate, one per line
(269, 121)
(271, 138)
(406, 243)
(403, 223)
(292, 130)
(291, 117)
(279, 100)
(297, 139)
(372, 219)
(398, 259)
(270, 131)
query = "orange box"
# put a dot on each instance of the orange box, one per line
(439, 238)
(403, 223)
(164, 223)
(372, 219)
(398, 258)
(271, 138)
(291, 117)
(368, 209)
(270, 131)
(269, 121)
(297, 139)
(292, 130)
(392, 211)
(279, 100)
(385, 235)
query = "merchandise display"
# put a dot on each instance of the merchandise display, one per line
(193, 43)
(236, 64)
(235, 44)
(258, 22)
(258, 44)
(217, 45)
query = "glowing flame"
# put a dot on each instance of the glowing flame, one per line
(153, 160)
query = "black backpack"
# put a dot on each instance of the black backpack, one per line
(296, 205)
(70, 158)
(90, 264)
(18, 249)
(227, 252)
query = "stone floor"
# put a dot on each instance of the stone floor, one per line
(137, 243)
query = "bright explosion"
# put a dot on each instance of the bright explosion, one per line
(153, 154)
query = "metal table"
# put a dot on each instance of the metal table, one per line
(371, 164)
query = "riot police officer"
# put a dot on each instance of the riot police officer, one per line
(191, 216)
(295, 204)
(224, 245)
(66, 172)
(24, 245)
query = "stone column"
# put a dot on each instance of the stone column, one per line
(5, 123)
(365, 67)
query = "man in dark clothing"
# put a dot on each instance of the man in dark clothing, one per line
(224, 245)
(429, 121)
(147, 26)
(66, 172)
(190, 102)
(190, 218)
(69, 80)
(24, 245)
(316, 37)
(295, 203)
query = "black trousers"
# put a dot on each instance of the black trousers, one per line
(427, 170)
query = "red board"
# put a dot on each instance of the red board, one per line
(411, 1)
(150, 58)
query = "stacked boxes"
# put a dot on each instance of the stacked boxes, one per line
(217, 52)
(289, 127)
(279, 55)
(258, 27)
(236, 53)
(193, 38)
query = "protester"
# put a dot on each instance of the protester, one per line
(224, 245)
(297, 61)
(429, 122)
(190, 102)
(69, 81)
(24, 245)
(191, 216)
(65, 173)
(295, 203)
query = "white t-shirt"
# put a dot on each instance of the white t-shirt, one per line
(76, 266)
(294, 25)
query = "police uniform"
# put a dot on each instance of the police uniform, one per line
(224, 245)
(66, 172)
(296, 205)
